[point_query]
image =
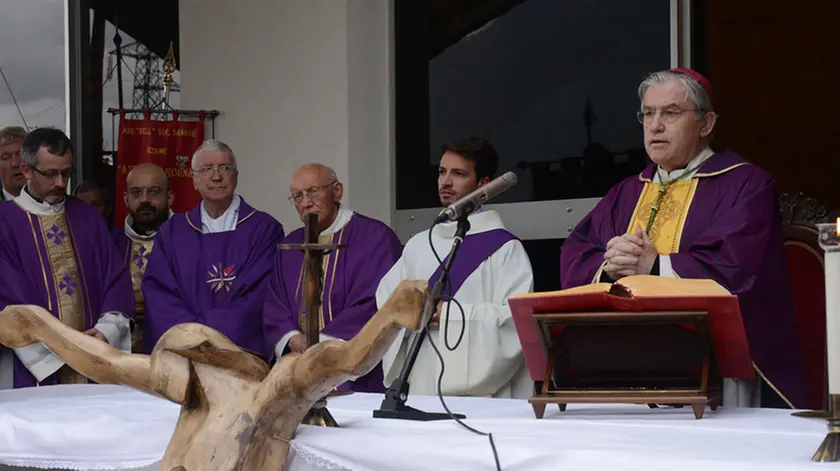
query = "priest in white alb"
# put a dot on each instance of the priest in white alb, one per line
(491, 266)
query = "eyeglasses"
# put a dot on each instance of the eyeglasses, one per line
(66, 174)
(207, 170)
(311, 193)
(136, 193)
(667, 115)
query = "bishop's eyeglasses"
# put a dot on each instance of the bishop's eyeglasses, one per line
(667, 115)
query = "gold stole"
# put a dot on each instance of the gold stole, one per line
(138, 259)
(61, 259)
(669, 221)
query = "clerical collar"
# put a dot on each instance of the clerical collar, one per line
(341, 220)
(31, 205)
(224, 223)
(133, 235)
(8, 196)
(483, 221)
(694, 165)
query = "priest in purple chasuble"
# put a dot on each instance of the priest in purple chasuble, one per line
(148, 199)
(697, 213)
(56, 253)
(350, 275)
(212, 264)
(491, 265)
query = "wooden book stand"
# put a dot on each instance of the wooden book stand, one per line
(648, 340)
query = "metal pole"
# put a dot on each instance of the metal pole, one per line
(118, 46)
(79, 44)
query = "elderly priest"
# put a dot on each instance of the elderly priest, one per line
(212, 264)
(55, 252)
(350, 275)
(697, 213)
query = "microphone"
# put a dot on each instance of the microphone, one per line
(469, 203)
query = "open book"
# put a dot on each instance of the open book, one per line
(642, 286)
(640, 293)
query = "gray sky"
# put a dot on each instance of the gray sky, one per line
(32, 57)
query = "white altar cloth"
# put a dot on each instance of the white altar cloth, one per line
(98, 427)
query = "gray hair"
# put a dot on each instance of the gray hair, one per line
(213, 144)
(12, 133)
(693, 91)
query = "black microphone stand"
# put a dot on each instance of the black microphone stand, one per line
(393, 406)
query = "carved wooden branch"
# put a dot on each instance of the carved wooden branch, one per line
(236, 415)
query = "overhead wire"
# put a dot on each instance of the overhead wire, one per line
(14, 99)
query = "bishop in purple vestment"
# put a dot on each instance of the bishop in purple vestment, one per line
(696, 213)
(350, 275)
(212, 264)
(56, 253)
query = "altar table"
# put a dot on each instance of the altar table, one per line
(99, 427)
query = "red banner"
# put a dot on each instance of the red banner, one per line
(169, 144)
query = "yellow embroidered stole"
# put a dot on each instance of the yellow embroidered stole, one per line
(668, 224)
(61, 261)
(139, 252)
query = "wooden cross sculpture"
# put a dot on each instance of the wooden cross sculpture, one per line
(236, 413)
(310, 317)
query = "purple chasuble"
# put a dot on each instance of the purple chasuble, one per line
(98, 278)
(348, 298)
(217, 279)
(122, 242)
(475, 249)
(733, 235)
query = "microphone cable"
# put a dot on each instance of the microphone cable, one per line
(449, 299)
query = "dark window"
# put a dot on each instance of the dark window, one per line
(552, 83)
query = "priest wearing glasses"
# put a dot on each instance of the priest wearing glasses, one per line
(350, 274)
(56, 253)
(212, 265)
(698, 213)
(148, 199)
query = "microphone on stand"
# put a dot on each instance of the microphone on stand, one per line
(468, 203)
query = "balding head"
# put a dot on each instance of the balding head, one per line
(147, 172)
(315, 188)
(147, 197)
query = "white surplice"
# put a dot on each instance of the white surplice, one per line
(37, 357)
(225, 223)
(489, 360)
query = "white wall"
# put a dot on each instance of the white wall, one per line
(296, 81)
